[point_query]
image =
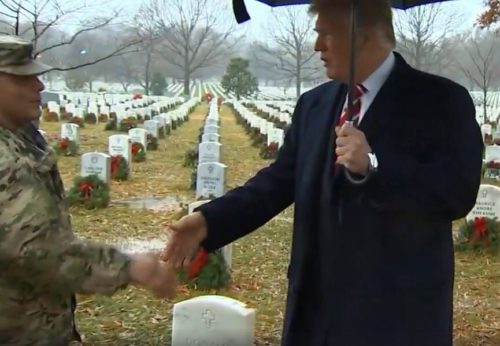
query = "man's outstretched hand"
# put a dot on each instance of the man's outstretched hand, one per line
(148, 271)
(186, 236)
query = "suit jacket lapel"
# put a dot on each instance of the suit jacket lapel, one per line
(322, 116)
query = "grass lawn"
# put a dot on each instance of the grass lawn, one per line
(133, 317)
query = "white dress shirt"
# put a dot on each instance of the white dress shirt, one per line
(373, 84)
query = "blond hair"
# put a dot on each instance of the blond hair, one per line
(371, 13)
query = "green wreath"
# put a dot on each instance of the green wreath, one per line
(152, 142)
(268, 152)
(127, 124)
(161, 131)
(90, 192)
(138, 152)
(207, 271)
(66, 147)
(119, 168)
(191, 158)
(480, 234)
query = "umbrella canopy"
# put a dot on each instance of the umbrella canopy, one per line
(241, 13)
(242, 16)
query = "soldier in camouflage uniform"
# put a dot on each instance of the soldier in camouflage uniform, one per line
(42, 263)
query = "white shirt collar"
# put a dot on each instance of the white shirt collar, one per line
(375, 81)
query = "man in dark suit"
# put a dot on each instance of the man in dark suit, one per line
(372, 256)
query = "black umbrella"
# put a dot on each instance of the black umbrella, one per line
(242, 16)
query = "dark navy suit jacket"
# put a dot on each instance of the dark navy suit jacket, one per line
(389, 254)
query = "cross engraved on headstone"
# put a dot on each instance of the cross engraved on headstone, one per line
(210, 169)
(485, 193)
(208, 317)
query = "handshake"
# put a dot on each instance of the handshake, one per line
(157, 272)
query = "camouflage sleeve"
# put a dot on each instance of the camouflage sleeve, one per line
(37, 246)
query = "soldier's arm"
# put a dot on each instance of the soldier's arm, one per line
(34, 250)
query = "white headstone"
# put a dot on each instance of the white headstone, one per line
(211, 121)
(160, 119)
(275, 136)
(486, 129)
(152, 127)
(492, 153)
(71, 132)
(104, 110)
(211, 129)
(213, 321)
(120, 145)
(208, 152)
(210, 180)
(487, 203)
(210, 137)
(139, 136)
(53, 107)
(96, 164)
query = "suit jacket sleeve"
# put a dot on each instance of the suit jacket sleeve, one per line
(445, 187)
(246, 208)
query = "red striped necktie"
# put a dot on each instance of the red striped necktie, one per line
(359, 90)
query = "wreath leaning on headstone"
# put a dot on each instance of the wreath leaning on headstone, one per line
(207, 271)
(152, 142)
(66, 147)
(90, 192)
(270, 151)
(480, 234)
(138, 152)
(119, 168)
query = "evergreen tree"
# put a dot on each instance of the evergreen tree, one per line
(158, 84)
(238, 79)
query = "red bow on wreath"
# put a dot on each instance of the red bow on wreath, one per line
(198, 263)
(115, 163)
(480, 227)
(86, 188)
(64, 144)
(135, 148)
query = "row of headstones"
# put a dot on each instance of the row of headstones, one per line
(130, 108)
(99, 164)
(102, 99)
(267, 128)
(210, 172)
(273, 113)
(152, 127)
(212, 320)
(284, 106)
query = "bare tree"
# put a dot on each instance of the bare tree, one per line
(194, 33)
(422, 32)
(483, 65)
(36, 19)
(291, 51)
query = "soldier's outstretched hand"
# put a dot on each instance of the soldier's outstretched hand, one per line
(149, 272)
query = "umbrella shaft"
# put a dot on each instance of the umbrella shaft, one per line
(352, 67)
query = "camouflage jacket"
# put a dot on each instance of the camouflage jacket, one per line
(42, 263)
